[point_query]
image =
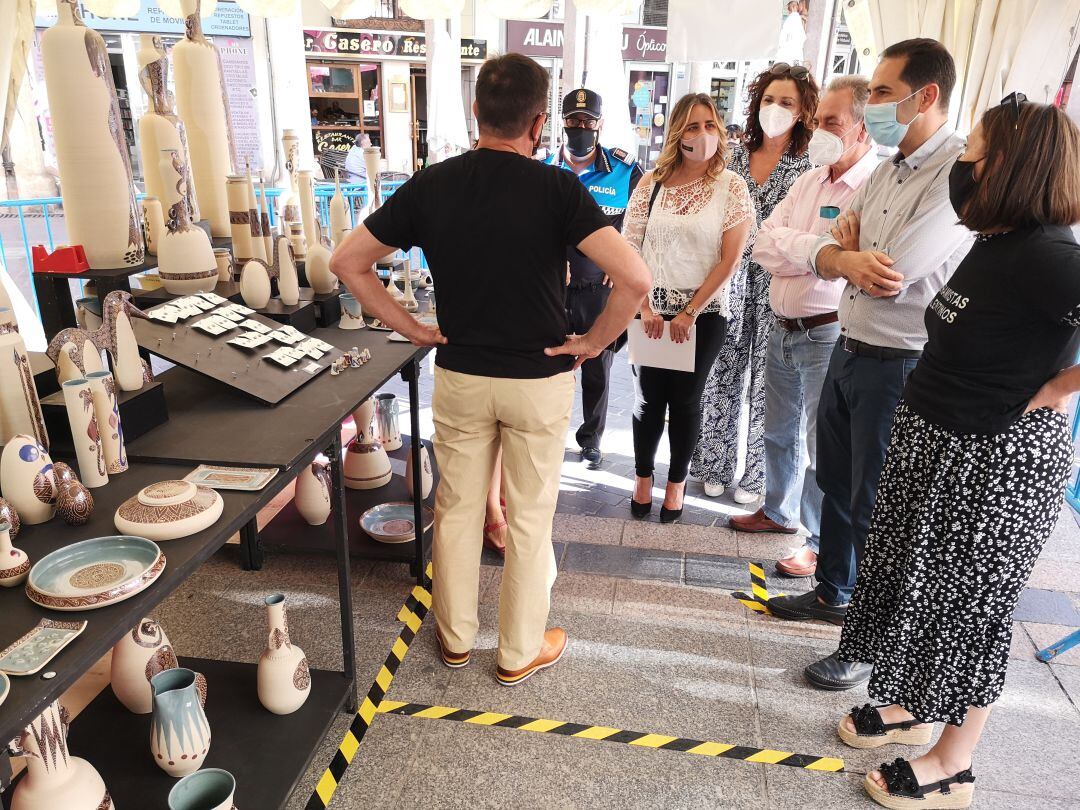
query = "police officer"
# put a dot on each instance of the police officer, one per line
(610, 175)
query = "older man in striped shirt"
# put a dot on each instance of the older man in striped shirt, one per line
(807, 326)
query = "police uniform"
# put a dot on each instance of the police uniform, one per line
(611, 180)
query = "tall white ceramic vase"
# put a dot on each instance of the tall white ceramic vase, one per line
(339, 214)
(107, 411)
(160, 128)
(136, 658)
(100, 211)
(290, 200)
(258, 248)
(236, 187)
(85, 433)
(306, 189)
(186, 261)
(20, 410)
(204, 108)
(55, 778)
(288, 280)
(284, 680)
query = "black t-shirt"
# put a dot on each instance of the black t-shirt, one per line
(1002, 326)
(494, 226)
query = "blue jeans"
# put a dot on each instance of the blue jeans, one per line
(795, 369)
(855, 416)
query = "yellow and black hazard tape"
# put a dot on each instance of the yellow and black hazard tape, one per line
(758, 601)
(412, 614)
(603, 733)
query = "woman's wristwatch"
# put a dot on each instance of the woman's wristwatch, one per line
(691, 310)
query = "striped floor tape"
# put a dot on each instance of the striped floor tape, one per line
(758, 600)
(412, 614)
(636, 738)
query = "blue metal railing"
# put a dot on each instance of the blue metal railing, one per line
(1072, 490)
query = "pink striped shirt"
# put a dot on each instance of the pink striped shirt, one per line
(788, 237)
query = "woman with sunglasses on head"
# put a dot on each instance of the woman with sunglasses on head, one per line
(977, 461)
(771, 157)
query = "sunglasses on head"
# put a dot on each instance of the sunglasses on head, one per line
(799, 72)
(1013, 102)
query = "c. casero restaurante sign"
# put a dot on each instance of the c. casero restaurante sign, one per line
(380, 44)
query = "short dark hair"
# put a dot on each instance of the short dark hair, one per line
(927, 61)
(511, 91)
(1036, 185)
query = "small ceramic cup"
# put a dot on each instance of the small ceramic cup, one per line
(208, 789)
(351, 315)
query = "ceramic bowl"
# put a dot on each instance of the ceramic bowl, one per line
(169, 510)
(95, 573)
(393, 522)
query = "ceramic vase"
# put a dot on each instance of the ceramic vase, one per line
(255, 284)
(386, 414)
(317, 269)
(258, 250)
(408, 300)
(179, 731)
(10, 516)
(352, 316)
(290, 200)
(208, 789)
(136, 659)
(185, 256)
(288, 281)
(339, 214)
(267, 232)
(100, 211)
(366, 463)
(107, 411)
(426, 477)
(14, 564)
(27, 479)
(85, 433)
(313, 493)
(203, 105)
(305, 181)
(224, 262)
(54, 778)
(74, 503)
(373, 164)
(160, 128)
(20, 410)
(284, 680)
(152, 219)
(240, 226)
(297, 240)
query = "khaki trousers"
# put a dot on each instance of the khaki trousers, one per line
(473, 416)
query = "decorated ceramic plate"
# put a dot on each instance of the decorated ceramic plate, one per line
(95, 573)
(5, 687)
(393, 522)
(38, 647)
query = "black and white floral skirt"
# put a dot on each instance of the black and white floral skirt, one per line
(958, 524)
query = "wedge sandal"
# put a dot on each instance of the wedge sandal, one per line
(872, 732)
(904, 791)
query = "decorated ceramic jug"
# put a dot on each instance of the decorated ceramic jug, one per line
(136, 659)
(54, 778)
(366, 463)
(14, 564)
(179, 731)
(284, 680)
(313, 493)
(20, 410)
(27, 479)
(208, 789)
(386, 414)
(185, 256)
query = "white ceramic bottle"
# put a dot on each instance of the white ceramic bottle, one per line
(306, 189)
(288, 280)
(204, 108)
(100, 211)
(258, 247)
(426, 477)
(185, 256)
(136, 658)
(290, 200)
(313, 493)
(339, 214)
(284, 680)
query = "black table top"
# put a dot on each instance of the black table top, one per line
(210, 423)
(18, 615)
(150, 263)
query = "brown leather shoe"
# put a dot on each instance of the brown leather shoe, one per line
(757, 523)
(803, 563)
(451, 659)
(551, 651)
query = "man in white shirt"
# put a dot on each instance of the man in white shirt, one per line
(807, 325)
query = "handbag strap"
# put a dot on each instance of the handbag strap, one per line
(652, 200)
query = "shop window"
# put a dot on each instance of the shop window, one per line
(345, 104)
(654, 12)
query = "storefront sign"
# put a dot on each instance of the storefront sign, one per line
(238, 70)
(543, 38)
(334, 140)
(380, 44)
(228, 20)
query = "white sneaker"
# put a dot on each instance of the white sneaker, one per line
(714, 490)
(742, 496)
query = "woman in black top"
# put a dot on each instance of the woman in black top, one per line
(977, 462)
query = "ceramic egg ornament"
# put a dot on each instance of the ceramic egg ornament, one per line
(27, 479)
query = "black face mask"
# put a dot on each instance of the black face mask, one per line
(581, 142)
(539, 138)
(962, 184)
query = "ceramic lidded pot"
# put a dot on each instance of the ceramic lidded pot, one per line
(284, 680)
(313, 493)
(27, 479)
(136, 659)
(366, 463)
(14, 564)
(169, 510)
(54, 778)
(179, 730)
(208, 789)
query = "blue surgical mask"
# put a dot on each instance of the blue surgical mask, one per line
(881, 122)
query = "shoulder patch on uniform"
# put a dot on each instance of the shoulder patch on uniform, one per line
(623, 155)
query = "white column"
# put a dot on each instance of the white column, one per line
(574, 35)
(700, 77)
(818, 33)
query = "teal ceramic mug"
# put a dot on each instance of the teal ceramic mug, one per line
(208, 789)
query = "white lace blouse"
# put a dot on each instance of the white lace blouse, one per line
(681, 241)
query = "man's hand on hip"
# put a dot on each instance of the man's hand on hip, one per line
(576, 346)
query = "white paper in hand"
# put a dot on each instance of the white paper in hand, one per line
(662, 352)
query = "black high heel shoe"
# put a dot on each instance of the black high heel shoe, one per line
(640, 510)
(671, 515)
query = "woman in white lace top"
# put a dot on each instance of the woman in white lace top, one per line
(690, 219)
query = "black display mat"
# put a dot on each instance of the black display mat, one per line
(148, 299)
(266, 753)
(243, 370)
